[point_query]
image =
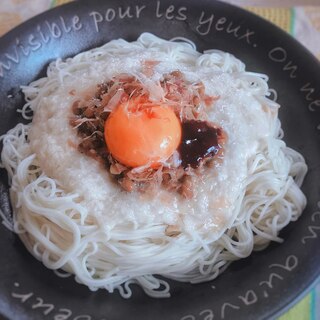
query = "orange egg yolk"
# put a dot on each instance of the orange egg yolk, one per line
(139, 132)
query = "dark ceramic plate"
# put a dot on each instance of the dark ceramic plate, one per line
(259, 287)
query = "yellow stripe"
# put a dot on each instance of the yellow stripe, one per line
(59, 2)
(279, 16)
(301, 311)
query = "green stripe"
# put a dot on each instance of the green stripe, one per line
(313, 305)
(292, 20)
(53, 3)
(301, 311)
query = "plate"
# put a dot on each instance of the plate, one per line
(259, 287)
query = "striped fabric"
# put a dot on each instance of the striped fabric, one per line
(282, 17)
(301, 22)
(304, 24)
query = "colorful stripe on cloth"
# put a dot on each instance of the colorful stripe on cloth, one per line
(316, 303)
(301, 22)
(59, 2)
(301, 311)
(282, 17)
(304, 24)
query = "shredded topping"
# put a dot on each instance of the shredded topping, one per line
(190, 103)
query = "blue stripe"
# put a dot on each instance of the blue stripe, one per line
(313, 305)
(292, 20)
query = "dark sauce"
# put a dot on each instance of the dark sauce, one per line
(200, 140)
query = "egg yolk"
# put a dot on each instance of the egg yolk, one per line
(140, 132)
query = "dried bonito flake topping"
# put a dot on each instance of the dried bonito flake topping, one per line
(147, 144)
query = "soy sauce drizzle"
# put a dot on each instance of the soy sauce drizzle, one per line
(200, 140)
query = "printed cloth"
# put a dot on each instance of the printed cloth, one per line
(303, 22)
